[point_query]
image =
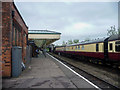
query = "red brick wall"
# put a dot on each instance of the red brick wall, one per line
(24, 32)
(9, 25)
(6, 38)
(18, 19)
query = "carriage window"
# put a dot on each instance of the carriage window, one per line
(82, 47)
(67, 48)
(97, 47)
(78, 47)
(72, 47)
(117, 46)
(111, 46)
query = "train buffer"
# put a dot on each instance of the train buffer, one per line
(47, 72)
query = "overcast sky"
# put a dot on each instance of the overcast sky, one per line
(75, 20)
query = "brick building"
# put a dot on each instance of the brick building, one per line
(14, 33)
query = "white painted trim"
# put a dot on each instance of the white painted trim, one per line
(76, 73)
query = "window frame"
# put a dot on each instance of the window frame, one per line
(83, 47)
(15, 37)
(97, 47)
(117, 46)
(79, 47)
(72, 47)
(110, 46)
(75, 47)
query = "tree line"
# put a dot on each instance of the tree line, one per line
(110, 32)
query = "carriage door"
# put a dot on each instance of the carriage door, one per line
(106, 49)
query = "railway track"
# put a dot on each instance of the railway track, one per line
(102, 79)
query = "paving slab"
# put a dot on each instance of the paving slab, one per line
(41, 73)
(78, 81)
(46, 72)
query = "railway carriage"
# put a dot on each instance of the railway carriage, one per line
(104, 50)
(114, 48)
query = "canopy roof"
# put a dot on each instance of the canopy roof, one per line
(43, 38)
(42, 32)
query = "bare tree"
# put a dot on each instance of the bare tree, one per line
(112, 31)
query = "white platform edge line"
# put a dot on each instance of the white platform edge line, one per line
(75, 72)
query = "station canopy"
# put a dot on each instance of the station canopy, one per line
(43, 38)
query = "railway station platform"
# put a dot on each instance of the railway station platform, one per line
(47, 72)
